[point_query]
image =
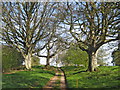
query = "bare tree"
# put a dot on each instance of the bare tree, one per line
(25, 25)
(92, 24)
(55, 44)
(56, 41)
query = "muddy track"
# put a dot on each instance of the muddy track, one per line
(56, 82)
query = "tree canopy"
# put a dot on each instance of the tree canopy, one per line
(91, 24)
(25, 24)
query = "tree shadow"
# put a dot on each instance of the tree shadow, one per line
(58, 75)
(47, 72)
(79, 72)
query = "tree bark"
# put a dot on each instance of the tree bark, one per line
(48, 57)
(47, 62)
(28, 60)
(92, 66)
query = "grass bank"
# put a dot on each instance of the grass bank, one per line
(106, 77)
(36, 78)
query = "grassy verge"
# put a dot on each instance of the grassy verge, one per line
(36, 78)
(106, 77)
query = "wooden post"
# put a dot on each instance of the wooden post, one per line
(77, 83)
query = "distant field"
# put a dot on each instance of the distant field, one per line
(36, 78)
(106, 77)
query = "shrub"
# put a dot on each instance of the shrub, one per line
(11, 58)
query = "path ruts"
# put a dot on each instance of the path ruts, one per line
(58, 81)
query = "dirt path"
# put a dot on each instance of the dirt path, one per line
(62, 83)
(58, 81)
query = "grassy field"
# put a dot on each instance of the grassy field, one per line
(105, 77)
(36, 78)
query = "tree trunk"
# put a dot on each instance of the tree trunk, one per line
(48, 58)
(92, 66)
(28, 59)
(47, 62)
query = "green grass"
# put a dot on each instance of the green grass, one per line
(105, 77)
(36, 78)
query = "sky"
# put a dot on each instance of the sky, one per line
(110, 50)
